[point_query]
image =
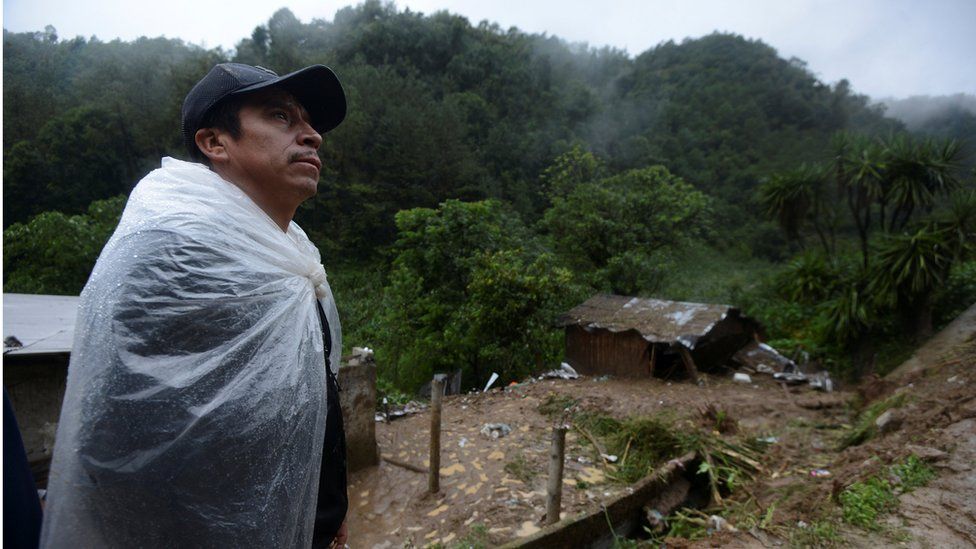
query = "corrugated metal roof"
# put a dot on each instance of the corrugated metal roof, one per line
(657, 320)
(43, 324)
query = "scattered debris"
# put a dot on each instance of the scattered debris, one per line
(463, 442)
(762, 358)
(655, 520)
(359, 356)
(397, 412)
(491, 381)
(496, 430)
(565, 371)
(822, 381)
(791, 378)
(11, 342)
(719, 524)
(820, 473)
(741, 378)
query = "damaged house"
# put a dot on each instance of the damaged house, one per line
(638, 337)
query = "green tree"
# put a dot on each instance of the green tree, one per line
(569, 170)
(913, 266)
(470, 289)
(618, 231)
(916, 173)
(54, 253)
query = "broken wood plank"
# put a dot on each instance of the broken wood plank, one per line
(689, 363)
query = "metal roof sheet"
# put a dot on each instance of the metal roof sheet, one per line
(43, 324)
(657, 320)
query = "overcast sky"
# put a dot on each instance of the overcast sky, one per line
(886, 48)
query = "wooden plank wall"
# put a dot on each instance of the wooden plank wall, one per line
(602, 352)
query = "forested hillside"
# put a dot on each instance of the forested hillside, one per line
(440, 108)
(609, 168)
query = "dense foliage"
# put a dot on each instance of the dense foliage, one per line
(487, 179)
(912, 219)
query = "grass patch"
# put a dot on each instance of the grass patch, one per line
(863, 502)
(821, 533)
(477, 538)
(864, 428)
(556, 405)
(521, 469)
(913, 473)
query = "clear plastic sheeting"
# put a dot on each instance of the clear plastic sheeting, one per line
(195, 407)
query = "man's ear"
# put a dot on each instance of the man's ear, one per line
(211, 143)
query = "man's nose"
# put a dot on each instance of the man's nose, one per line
(309, 137)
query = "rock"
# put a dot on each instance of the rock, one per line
(888, 421)
(926, 453)
(741, 378)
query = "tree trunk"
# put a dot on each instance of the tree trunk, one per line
(863, 356)
(922, 318)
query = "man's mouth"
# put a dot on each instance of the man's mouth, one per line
(313, 160)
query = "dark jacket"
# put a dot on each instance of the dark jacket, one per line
(333, 501)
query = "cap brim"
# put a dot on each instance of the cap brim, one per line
(317, 88)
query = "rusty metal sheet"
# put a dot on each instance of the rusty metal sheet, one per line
(657, 320)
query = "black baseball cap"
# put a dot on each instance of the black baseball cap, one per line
(316, 87)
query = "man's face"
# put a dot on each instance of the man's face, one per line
(275, 159)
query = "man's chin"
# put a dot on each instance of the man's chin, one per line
(309, 188)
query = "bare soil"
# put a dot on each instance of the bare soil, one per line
(495, 487)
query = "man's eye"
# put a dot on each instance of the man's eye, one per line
(282, 115)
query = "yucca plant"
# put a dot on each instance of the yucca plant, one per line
(909, 269)
(799, 198)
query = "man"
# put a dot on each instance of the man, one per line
(201, 388)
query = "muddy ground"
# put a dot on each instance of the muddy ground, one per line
(493, 489)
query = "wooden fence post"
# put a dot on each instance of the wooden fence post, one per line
(554, 497)
(436, 396)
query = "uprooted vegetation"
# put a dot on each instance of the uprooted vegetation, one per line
(866, 427)
(633, 447)
(738, 464)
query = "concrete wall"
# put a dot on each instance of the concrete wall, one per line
(36, 386)
(358, 400)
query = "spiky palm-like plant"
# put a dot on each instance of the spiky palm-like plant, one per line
(916, 172)
(910, 267)
(798, 198)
